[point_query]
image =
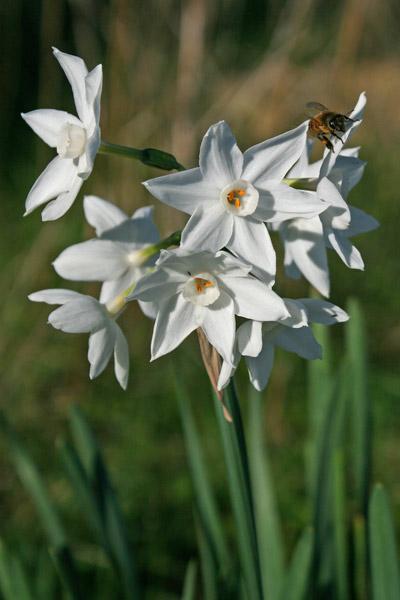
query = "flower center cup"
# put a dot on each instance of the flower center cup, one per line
(239, 198)
(201, 289)
(71, 141)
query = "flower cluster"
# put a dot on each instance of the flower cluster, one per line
(224, 265)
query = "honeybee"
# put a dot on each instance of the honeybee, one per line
(325, 123)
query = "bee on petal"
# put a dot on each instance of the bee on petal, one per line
(325, 123)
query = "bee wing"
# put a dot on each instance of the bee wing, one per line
(316, 106)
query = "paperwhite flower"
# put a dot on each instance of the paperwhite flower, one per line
(118, 257)
(84, 314)
(256, 341)
(231, 194)
(204, 290)
(76, 139)
(305, 240)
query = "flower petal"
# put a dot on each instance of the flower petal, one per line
(255, 300)
(95, 260)
(209, 228)
(76, 71)
(111, 289)
(347, 252)
(55, 296)
(184, 191)
(133, 234)
(321, 311)
(251, 242)
(219, 325)
(272, 159)
(79, 316)
(58, 207)
(220, 158)
(360, 222)
(93, 83)
(121, 358)
(58, 177)
(101, 214)
(260, 366)
(305, 246)
(91, 148)
(158, 286)
(300, 341)
(46, 123)
(281, 202)
(176, 319)
(249, 338)
(338, 213)
(101, 345)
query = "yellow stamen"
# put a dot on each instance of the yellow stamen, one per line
(202, 283)
(240, 192)
(232, 197)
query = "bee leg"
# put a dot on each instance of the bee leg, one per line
(325, 141)
(337, 137)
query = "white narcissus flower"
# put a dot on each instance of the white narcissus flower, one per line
(230, 195)
(76, 139)
(204, 290)
(83, 314)
(305, 240)
(256, 341)
(118, 257)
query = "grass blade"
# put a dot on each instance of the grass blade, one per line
(267, 520)
(383, 551)
(113, 528)
(361, 417)
(235, 453)
(13, 581)
(296, 584)
(360, 557)
(339, 527)
(204, 497)
(189, 585)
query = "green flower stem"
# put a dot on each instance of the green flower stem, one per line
(235, 452)
(148, 156)
(302, 183)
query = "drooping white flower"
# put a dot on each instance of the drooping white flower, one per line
(76, 139)
(305, 240)
(230, 195)
(204, 290)
(256, 340)
(83, 314)
(118, 257)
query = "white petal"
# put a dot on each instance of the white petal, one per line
(360, 222)
(338, 213)
(79, 316)
(219, 326)
(225, 374)
(251, 242)
(220, 158)
(76, 71)
(111, 289)
(260, 367)
(93, 82)
(272, 159)
(300, 341)
(209, 228)
(249, 338)
(158, 286)
(298, 314)
(347, 252)
(58, 207)
(305, 245)
(121, 358)
(255, 300)
(58, 177)
(281, 202)
(55, 296)
(184, 190)
(101, 345)
(95, 260)
(46, 123)
(176, 319)
(321, 311)
(91, 148)
(101, 214)
(133, 234)
(144, 212)
(149, 309)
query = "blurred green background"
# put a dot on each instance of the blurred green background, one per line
(171, 69)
